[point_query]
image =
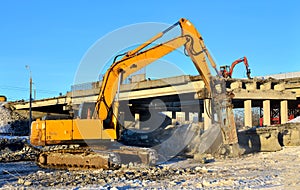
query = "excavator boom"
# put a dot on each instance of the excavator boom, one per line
(136, 59)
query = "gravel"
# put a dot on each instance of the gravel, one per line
(264, 170)
(272, 170)
(16, 149)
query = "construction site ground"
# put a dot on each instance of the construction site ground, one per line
(263, 170)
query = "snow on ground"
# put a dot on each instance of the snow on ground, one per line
(265, 170)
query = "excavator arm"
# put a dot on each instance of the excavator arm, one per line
(243, 59)
(138, 58)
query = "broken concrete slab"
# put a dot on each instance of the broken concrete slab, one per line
(289, 134)
(263, 139)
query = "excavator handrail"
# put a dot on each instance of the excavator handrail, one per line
(138, 58)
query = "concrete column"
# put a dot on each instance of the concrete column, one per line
(137, 120)
(206, 113)
(248, 113)
(283, 111)
(267, 112)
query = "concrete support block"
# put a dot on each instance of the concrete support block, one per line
(279, 87)
(265, 86)
(290, 134)
(267, 112)
(248, 113)
(264, 139)
(250, 86)
(283, 111)
(206, 113)
(236, 85)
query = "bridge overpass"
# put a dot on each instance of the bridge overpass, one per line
(279, 99)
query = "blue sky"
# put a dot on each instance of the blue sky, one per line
(53, 36)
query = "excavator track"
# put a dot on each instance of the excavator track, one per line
(80, 158)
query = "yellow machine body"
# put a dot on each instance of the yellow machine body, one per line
(53, 132)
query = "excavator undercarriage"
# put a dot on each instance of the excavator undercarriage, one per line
(91, 158)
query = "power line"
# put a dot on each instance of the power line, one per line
(13, 88)
(16, 88)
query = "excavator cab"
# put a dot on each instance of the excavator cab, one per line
(224, 71)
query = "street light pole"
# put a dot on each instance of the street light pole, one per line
(30, 96)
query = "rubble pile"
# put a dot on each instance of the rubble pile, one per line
(259, 139)
(16, 149)
(139, 177)
(289, 133)
(11, 122)
(266, 170)
(5, 119)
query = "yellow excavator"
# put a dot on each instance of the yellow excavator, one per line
(104, 127)
(3, 98)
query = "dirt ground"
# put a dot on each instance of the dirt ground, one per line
(264, 170)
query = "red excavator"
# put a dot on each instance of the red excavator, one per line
(227, 71)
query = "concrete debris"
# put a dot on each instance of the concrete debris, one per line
(11, 122)
(253, 171)
(158, 177)
(289, 134)
(5, 119)
(261, 139)
(14, 149)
